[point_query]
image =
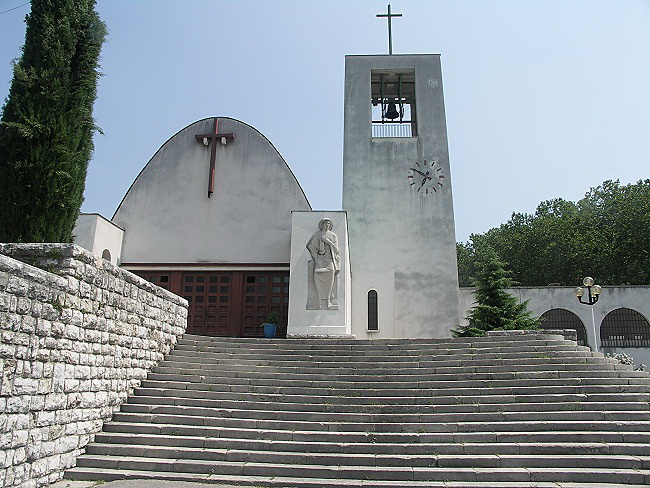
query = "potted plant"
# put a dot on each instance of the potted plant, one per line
(271, 324)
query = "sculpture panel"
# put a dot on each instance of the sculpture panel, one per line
(323, 268)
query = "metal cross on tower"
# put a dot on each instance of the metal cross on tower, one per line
(389, 16)
(212, 139)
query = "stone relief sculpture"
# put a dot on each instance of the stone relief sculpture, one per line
(323, 268)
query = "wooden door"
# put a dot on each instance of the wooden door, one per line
(214, 302)
(229, 303)
(264, 292)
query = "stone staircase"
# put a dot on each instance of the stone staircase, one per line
(514, 411)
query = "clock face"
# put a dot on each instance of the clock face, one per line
(426, 177)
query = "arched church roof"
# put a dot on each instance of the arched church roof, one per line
(169, 218)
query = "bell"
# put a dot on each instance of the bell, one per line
(391, 112)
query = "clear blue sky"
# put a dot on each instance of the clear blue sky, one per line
(544, 98)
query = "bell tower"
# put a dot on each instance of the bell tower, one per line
(397, 194)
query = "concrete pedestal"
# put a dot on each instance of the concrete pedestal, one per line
(311, 315)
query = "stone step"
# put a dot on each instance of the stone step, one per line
(574, 436)
(380, 460)
(425, 388)
(285, 482)
(382, 361)
(415, 350)
(396, 473)
(163, 390)
(420, 368)
(229, 405)
(198, 363)
(362, 362)
(399, 376)
(531, 410)
(403, 418)
(533, 339)
(399, 449)
(422, 391)
(382, 427)
(205, 375)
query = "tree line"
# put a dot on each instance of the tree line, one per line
(606, 235)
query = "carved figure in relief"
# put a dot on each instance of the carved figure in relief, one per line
(323, 269)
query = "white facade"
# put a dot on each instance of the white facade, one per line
(225, 251)
(100, 236)
(402, 236)
(396, 239)
(168, 217)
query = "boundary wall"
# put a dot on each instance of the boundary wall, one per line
(542, 299)
(77, 334)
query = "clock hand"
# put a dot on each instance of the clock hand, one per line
(413, 169)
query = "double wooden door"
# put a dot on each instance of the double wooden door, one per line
(229, 303)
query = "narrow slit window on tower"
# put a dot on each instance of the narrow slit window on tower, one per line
(373, 320)
(393, 103)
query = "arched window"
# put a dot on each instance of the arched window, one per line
(106, 255)
(624, 327)
(561, 318)
(373, 320)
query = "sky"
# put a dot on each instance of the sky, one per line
(544, 98)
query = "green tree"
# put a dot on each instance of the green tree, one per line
(47, 125)
(617, 232)
(466, 263)
(495, 308)
(606, 234)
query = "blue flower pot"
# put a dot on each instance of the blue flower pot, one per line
(269, 330)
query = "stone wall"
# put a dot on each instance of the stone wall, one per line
(568, 334)
(77, 334)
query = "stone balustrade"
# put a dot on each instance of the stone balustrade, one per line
(77, 334)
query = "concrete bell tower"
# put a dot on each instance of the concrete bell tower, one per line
(397, 194)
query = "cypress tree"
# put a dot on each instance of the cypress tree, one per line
(47, 125)
(495, 308)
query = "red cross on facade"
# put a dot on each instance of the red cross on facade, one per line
(211, 139)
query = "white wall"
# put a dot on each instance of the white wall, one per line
(542, 299)
(402, 243)
(99, 236)
(168, 217)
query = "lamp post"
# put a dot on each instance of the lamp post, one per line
(593, 293)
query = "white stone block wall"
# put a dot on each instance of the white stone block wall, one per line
(75, 338)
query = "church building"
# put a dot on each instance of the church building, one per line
(200, 221)
(209, 218)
